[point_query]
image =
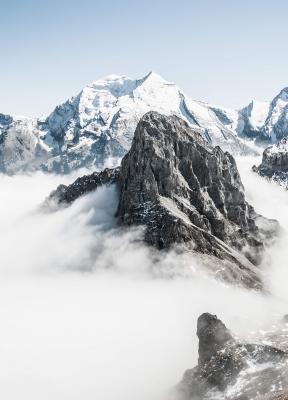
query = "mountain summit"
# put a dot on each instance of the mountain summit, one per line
(184, 193)
(96, 127)
(267, 122)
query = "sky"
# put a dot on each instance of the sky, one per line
(224, 52)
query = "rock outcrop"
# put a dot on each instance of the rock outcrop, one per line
(274, 165)
(185, 192)
(65, 195)
(231, 370)
(171, 174)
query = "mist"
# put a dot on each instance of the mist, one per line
(88, 311)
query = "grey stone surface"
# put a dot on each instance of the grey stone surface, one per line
(95, 128)
(254, 369)
(67, 194)
(185, 191)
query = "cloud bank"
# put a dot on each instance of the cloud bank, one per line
(88, 311)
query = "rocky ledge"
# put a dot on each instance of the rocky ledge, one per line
(274, 165)
(184, 192)
(85, 184)
(231, 370)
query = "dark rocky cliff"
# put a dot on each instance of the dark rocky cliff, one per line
(187, 193)
(231, 370)
(88, 183)
(183, 190)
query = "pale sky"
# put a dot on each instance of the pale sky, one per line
(224, 52)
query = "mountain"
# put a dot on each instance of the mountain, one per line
(184, 193)
(266, 122)
(95, 128)
(231, 370)
(252, 119)
(274, 165)
(20, 144)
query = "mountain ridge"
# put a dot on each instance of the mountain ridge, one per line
(95, 128)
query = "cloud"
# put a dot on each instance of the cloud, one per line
(88, 311)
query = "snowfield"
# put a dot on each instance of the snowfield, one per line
(96, 127)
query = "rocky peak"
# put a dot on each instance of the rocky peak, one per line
(213, 336)
(231, 370)
(184, 190)
(274, 165)
(65, 195)
(184, 193)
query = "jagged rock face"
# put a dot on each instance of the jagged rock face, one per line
(274, 165)
(231, 370)
(184, 191)
(88, 183)
(276, 124)
(213, 335)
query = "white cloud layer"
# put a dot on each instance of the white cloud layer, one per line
(84, 313)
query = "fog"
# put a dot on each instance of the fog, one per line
(89, 312)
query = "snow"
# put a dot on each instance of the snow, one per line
(277, 116)
(280, 147)
(259, 113)
(109, 110)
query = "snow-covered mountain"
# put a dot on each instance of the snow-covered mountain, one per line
(266, 122)
(20, 144)
(96, 127)
(252, 118)
(274, 165)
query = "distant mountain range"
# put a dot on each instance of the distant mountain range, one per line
(95, 128)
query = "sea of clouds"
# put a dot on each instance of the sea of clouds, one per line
(89, 312)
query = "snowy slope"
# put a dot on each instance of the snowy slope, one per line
(258, 114)
(276, 125)
(20, 145)
(96, 127)
(252, 119)
(265, 121)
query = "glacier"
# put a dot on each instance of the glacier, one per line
(95, 128)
